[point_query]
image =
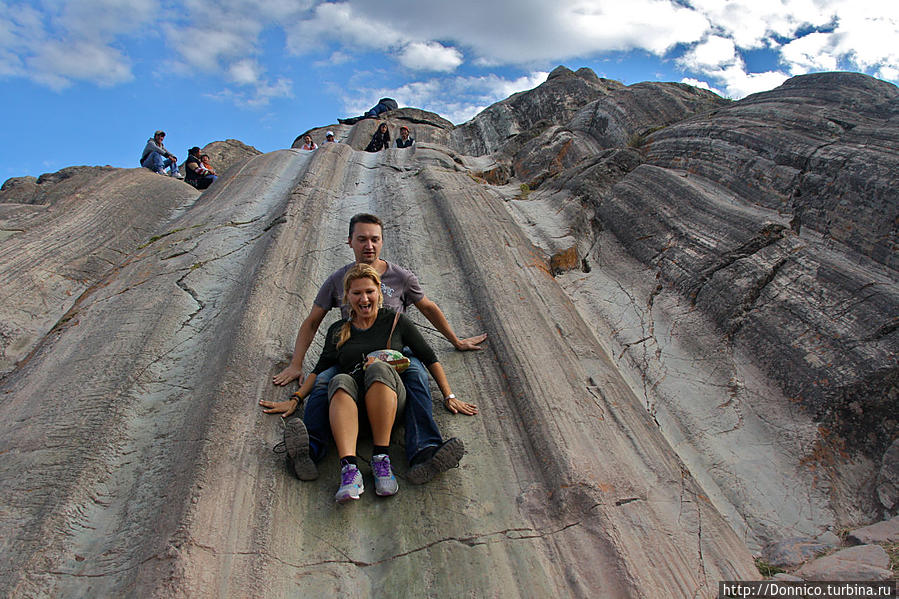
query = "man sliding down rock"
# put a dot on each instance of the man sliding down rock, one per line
(306, 439)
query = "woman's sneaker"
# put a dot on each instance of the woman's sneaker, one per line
(385, 481)
(351, 486)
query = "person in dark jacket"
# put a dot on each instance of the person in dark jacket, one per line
(404, 140)
(380, 140)
(195, 172)
(383, 105)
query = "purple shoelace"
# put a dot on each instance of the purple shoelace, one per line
(349, 476)
(381, 467)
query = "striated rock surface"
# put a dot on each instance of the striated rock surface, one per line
(676, 360)
(703, 271)
(79, 227)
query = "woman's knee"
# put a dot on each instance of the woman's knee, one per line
(345, 383)
(381, 372)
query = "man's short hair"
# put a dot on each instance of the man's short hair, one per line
(363, 217)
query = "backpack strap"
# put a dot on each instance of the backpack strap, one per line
(390, 337)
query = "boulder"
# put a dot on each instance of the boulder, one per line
(861, 563)
(886, 531)
(792, 552)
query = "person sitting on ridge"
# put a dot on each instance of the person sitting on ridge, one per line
(383, 105)
(204, 158)
(195, 172)
(156, 158)
(380, 140)
(404, 140)
(308, 144)
(329, 138)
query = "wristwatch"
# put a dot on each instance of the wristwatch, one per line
(449, 397)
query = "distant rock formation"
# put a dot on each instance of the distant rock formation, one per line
(691, 306)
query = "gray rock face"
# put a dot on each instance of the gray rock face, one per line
(621, 118)
(553, 102)
(820, 149)
(80, 225)
(659, 300)
(50, 187)
(711, 208)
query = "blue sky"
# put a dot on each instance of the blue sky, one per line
(87, 82)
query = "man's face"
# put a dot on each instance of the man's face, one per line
(366, 242)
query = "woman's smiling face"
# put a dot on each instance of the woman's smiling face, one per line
(365, 297)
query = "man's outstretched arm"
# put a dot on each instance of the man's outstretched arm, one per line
(304, 339)
(434, 314)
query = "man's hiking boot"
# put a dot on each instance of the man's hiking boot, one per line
(385, 481)
(177, 175)
(351, 486)
(442, 459)
(296, 441)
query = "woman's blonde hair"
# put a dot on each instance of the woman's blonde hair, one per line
(359, 271)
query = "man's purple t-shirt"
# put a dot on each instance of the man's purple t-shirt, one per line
(399, 286)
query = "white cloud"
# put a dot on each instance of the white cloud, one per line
(503, 31)
(67, 42)
(226, 39)
(714, 52)
(751, 23)
(813, 52)
(701, 84)
(430, 56)
(244, 72)
(738, 83)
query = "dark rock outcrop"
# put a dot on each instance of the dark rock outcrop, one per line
(527, 114)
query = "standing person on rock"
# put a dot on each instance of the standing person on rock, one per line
(306, 439)
(156, 158)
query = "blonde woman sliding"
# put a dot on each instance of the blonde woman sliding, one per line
(376, 391)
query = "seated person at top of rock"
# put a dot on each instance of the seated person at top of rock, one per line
(404, 140)
(306, 440)
(195, 172)
(308, 144)
(383, 105)
(156, 158)
(380, 140)
(329, 138)
(204, 158)
(371, 387)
